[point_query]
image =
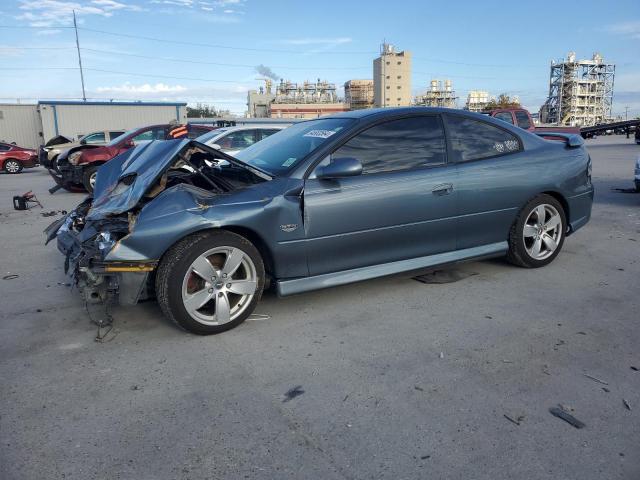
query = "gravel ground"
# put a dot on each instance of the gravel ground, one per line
(400, 379)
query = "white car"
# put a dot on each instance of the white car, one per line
(232, 140)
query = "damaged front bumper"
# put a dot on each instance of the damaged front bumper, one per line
(85, 246)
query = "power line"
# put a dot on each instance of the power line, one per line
(202, 62)
(228, 47)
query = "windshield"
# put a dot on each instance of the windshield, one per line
(205, 137)
(283, 150)
(117, 139)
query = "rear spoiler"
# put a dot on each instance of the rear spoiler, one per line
(570, 139)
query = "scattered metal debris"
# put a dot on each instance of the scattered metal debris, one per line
(545, 369)
(293, 393)
(444, 276)
(581, 333)
(441, 354)
(257, 317)
(562, 415)
(606, 389)
(626, 404)
(26, 201)
(595, 379)
(515, 421)
(53, 212)
(635, 369)
(11, 276)
(420, 389)
(424, 457)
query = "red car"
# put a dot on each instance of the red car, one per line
(13, 158)
(78, 166)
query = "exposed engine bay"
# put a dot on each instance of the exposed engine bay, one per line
(125, 186)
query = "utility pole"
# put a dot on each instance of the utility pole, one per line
(626, 112)
(75, 26)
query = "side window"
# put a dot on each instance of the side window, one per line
(474, 140)
(398, 145)
(267, 132)
(142, 137)
(237, 140)
(114, 135)
(94, 138)
(4, 148)
(504, 116)
(523, 120)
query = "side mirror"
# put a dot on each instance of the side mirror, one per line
(340, 167)
(83, 142)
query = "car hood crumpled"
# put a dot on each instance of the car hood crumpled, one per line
(124, 180)
(140, 168)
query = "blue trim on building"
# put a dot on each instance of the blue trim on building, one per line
(178, 113)
(125, 104)
(55, 119)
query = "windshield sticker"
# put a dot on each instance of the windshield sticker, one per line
(319, 133)
(506, 146)
(288, 162)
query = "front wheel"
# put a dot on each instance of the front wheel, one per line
(89, 178)
(537, 235)
(12, 166)
(210, 282)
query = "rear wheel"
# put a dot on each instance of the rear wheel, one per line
(89, 178)
(12, 166)
(537, 235)
(210, 282)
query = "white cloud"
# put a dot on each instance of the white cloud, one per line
(630, 29)
(146, 88)
(52, 13)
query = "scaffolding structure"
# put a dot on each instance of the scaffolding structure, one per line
(358, 94)
(580, 92)
(438, 96)
(477, 100)
(307, 92)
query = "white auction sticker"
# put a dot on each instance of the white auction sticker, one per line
(319, 133)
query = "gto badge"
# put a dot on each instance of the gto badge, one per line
(290, 227)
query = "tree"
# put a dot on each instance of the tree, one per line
(201, 110)
(503, 101)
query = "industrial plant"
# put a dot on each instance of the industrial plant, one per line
(580, 92)
(439, 95)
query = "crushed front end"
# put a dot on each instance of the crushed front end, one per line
(86, 243)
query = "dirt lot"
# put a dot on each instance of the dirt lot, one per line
(401, 380)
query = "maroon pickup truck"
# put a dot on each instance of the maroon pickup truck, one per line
(522, 118)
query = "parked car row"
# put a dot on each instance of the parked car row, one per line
(75, 168)
(14, 158)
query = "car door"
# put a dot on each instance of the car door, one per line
(490, 182)
(402, 206)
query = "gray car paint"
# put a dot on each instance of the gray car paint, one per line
(316, 233)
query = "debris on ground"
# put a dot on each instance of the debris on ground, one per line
(293, 393)
(516, 420)
(11, 276)
(595, 379)
(420, 389)
(53, 212)
(424, 457)
(635, 369)
(444, 276)
(562, 415)
(606, 389)
(26, 201)
(626, 404)
(545, 369)
(441, 354)
(581, 333)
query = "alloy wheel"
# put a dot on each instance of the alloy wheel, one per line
(542, 231)
(12, 166)
(219, 285)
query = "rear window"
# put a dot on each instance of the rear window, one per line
(523, 120)
(504, 116)
(475, 140)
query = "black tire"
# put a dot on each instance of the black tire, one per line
(518, 254)
(54, 164)
(13, 166)
(88, 176)
(174, 266)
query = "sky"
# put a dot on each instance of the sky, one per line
(209, 50)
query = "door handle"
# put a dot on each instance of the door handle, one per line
(443, 189)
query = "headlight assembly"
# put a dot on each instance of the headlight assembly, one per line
(105, 241)
(74, 158)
